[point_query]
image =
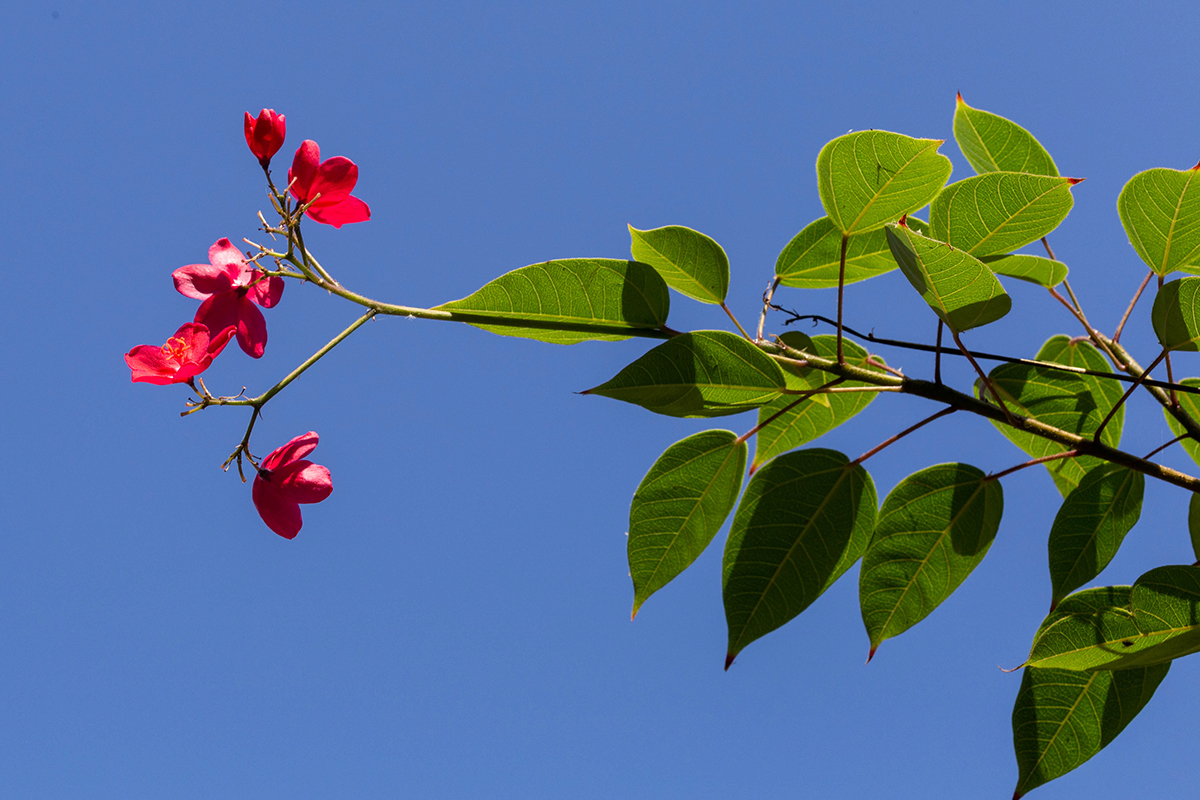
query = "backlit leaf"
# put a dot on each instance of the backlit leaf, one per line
(803, 521)
(1091, 525)
(992, 143)
(1160, 209)
(1035, 269)
(1176, 314)
(959, 288)
(871, 177)
(576, 291)
(998, 212)
(1191, 404)
(680, 505)
(698, 374)
(690, 262)
(1194, 525)
(933, 530)
(812, 259)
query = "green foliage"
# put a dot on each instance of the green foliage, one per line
(1194, 525)
(868, 178)
(1091, 525)
(1176, 315)
(1072, 402)
(574, 291)
(680, 505)
(698, 374)
(818, 414)
(933, 530)
(998, 212)
(992, 143)
(812, 259)
(1190, 403)
(690, 262)
(959, 288)
(1035, 269)
(804, 520)
(1160, 209)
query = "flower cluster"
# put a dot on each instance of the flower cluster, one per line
(232, 289)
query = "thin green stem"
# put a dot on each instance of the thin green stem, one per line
(729, 314)
(841, 356)
(1121, 326)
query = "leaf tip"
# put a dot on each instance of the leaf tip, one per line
(633, 614)
(871, 654)
(1073, 181)
(754, 468)
(729, 657)
(958, 99)
(1017, 795)
(903, 221)
(1193, 169)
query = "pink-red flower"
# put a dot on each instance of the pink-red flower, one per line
(285, 480)
(265, 134)
(333, 180)
(184, 356)
(230, 287)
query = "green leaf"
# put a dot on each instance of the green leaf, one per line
(575, 291)
(959, 288)
(933, 530)
(1091, 525)
(1160, 209)
(680, 505)
(1194, 525)
(1035, 269)
(1062, 718)
(812, 259)
(690, 262)
(817, 415)
(871, 177)
(803, 521)
(992, 143)
(1160, 622)
(1176, 314)
(998, 212)
(1191, 404)
(1074, 403)
(698, 374)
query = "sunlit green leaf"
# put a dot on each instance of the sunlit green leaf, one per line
(1160, 209)
(1176, 314)
(933, 530)
(1035, 269)
(817, 415)
(1074, 403)
(1091, 525)
(812, 259)
(690, 262)
(575, 291)
(992, 143)
(959, 288)
(1062, 717)
(999, 212)
(1191, 404)
(1194, 525)
(680, 505)
(803, 521)
(698, 374)
(871, 177)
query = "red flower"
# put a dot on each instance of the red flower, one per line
(285, 480)
(229, 288)
(333, 180)
(184, 356)
(265, 135)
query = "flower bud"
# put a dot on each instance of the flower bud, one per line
(265, 134)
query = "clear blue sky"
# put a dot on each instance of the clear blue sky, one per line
(454, 620)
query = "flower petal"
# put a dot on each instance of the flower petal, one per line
(265, 293)
(304, 169)
(349, 210)
(281, 514)
(219, 312)
(200, 281)
(294, 450)
(304, 482)
(148, 364)
(251, 328)
(223, 254)
(335, 179)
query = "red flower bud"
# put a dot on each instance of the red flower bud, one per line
(265, 134)
(285, 480)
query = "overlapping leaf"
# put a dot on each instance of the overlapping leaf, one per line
(1194, 525)
(698, 374)
(992, 143)
(1191, 404)
(1035, 269)
(998, 212)
(812, 259)
(576, 291)
(933, 530)
(871, 177)
(1160, 209)
(680, 505)
(1152, 622)
(803, 521)
(1062, 718)
(1091, 525)
(1176, 315)
(1074, 403)
(959, 288)
(817, 415)
(690, 262)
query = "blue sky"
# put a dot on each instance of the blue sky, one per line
(454, 620)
